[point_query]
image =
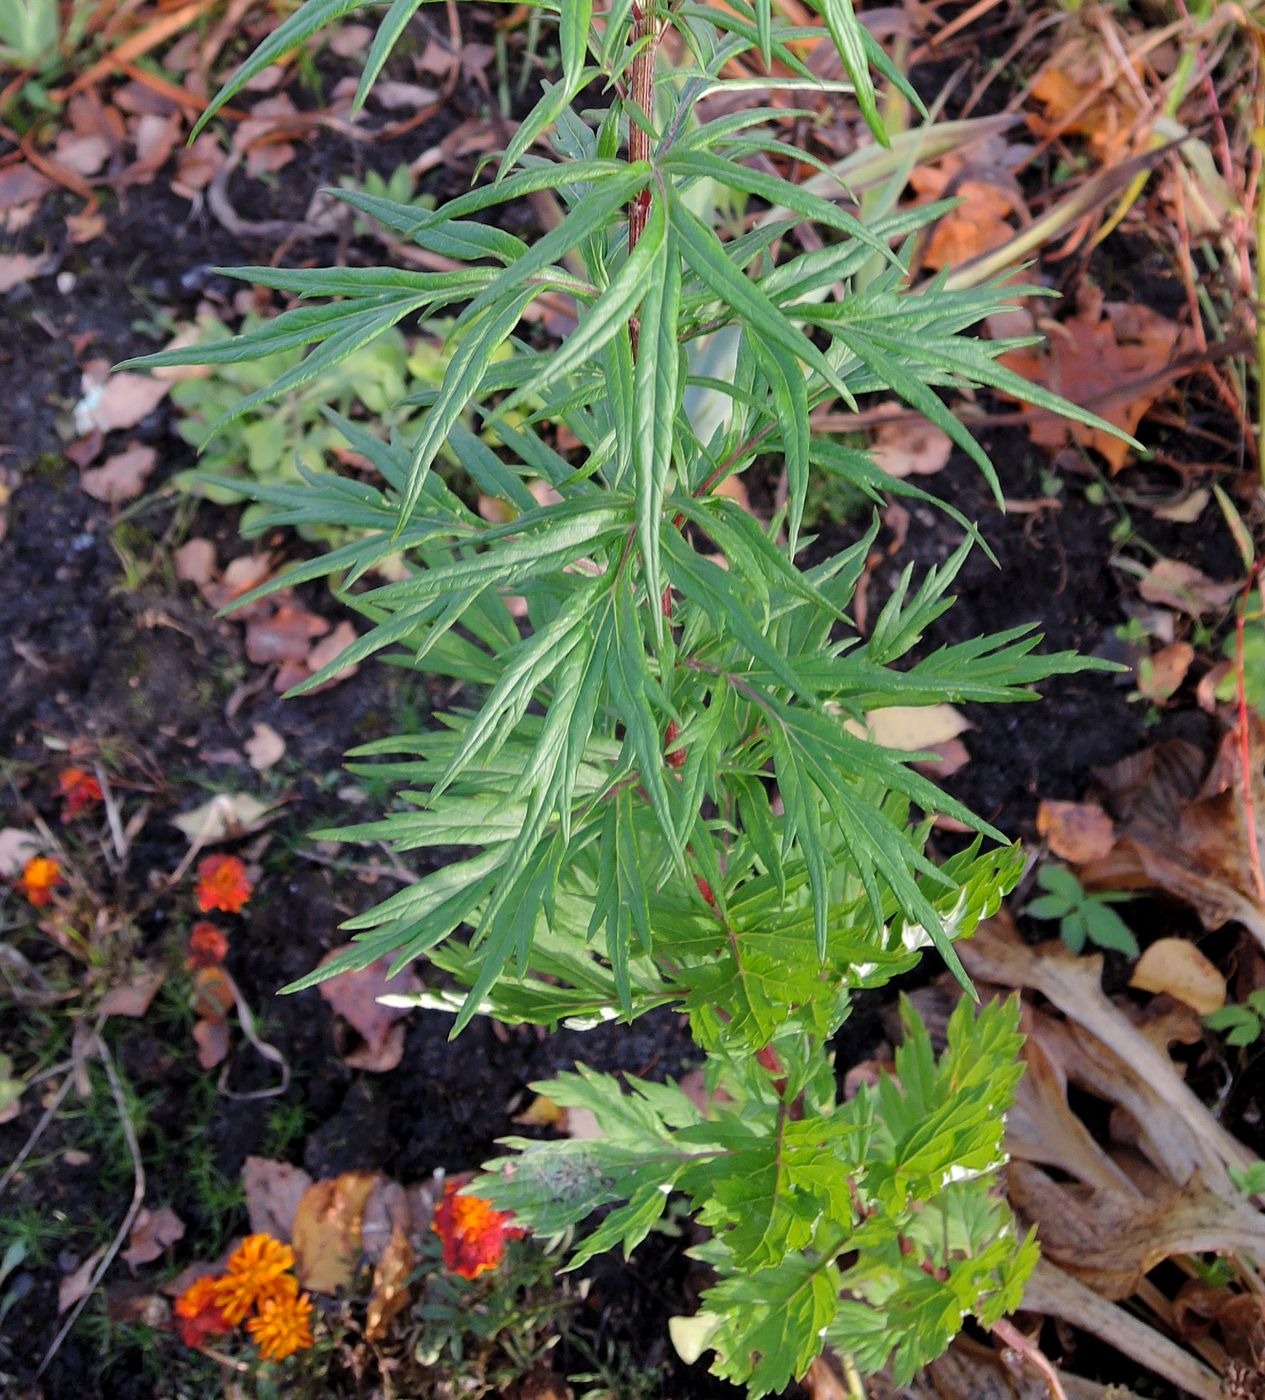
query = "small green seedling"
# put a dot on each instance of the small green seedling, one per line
(1083, 917)
(1242, 1022)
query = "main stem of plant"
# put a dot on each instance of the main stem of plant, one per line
(646, 42)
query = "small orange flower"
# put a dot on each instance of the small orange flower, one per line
(222, 884)
(39, 877)
(208, 946)
(256, 1269)
(474, 1234)
(197, 1314)
(81, 791)
(283, 1326)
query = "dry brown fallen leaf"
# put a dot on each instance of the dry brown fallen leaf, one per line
(133, 997)
(910, 446)
(354, 997)
(1108, 358)
(121, 477)
(390, 1294)
(1189, 834)
(273, 1191)
(224, 817)
(1112, 1240)
(326, 1232)
(264, 747)
(153, 1232)
(286, 635)
(78, 1285)
(113, 402)
(16, 269)
(1176, 967)
(1174, 584)
(195, 561)
(1075, 831)
(1161, 674)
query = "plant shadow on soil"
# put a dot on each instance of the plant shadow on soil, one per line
(150, 670)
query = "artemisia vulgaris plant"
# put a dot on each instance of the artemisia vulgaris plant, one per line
(659, 784)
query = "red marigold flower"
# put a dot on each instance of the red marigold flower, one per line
(208, 945)
(257, 1271)
(40, 875)
(81, 791)
(282, 1326)
(197, 1314)
(222, 884)
(474, 1234)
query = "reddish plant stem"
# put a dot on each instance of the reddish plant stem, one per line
(646, 38)
(1245, 738)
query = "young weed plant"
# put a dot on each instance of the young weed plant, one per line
(665, 796)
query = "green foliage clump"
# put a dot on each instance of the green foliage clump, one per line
(657, 783)
(1083, 916)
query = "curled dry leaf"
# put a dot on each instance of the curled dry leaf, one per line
(326, 1233)
(1112, 1240)
(910, 446)
(78, 1285)
(1076, 831)
(1175, 966)
(224, 817)
(390, 1286)
(273, 1191)
(354, 997)
(153, 1232)
(1189, 837)
(1160, 675)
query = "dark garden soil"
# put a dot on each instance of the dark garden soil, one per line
(136, 663)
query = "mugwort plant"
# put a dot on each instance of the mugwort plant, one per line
(660, 780)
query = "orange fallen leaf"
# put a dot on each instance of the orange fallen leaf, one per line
(1161, 674)
(1109, 359)
(326, 1230)
(390, 1294)
(1076, 831)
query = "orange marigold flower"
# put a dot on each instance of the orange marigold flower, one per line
(81, 791)
(255, 1271)
(208, 945)
(39, 877)
(474, 1234)
(282, 1327)
(222, 884)
(197, 1314)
